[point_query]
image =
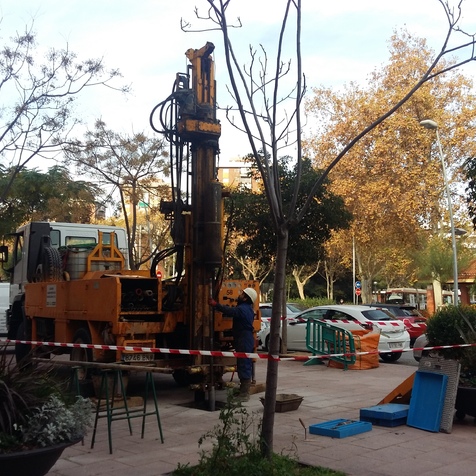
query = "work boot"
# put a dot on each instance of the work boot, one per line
(244, 393)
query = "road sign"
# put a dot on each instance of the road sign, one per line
(358, 285)
(358, 291)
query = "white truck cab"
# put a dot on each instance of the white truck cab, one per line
(30, 259)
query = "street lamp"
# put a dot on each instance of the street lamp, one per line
(429, 124)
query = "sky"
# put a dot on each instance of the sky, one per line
(343, 41)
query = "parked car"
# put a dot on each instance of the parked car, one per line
(393, 335)
(415, 322)
(420, 343)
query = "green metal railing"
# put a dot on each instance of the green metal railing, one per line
(324, 339)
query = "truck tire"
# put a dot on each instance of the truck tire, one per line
(82, 336)
(23, 351)
(52, 267)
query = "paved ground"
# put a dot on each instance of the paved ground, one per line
(328, 393)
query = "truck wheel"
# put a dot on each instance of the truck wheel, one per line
(51, 269)
(52, 265)
(23, 351)
(82, 336)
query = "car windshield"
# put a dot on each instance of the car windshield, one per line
(296, 307)
(410, 312)
(265, 311)
(377, 315)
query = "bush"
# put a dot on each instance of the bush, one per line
(36, 409)
(311, 302)
(455, 325)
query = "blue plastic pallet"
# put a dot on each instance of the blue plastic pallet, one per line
(340, 428)
(389, 414)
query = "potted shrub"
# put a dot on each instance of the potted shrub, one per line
(39, 418)
(457, 325)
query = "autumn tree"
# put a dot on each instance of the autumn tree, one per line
(134, 166)
(38, 98)
(336, 260)
(260, 104)
(391, 179)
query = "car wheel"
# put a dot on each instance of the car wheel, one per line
(391, 357)
(266, 344)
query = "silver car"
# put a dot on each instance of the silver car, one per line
(393, 335)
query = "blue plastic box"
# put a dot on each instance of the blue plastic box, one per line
(388, 414)
(428, 398)
(340, 428)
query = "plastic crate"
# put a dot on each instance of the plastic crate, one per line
(426, 404)
(389, 414)
(340, 428)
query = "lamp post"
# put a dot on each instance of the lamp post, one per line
(429, 124)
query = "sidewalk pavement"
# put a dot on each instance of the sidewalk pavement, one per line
(329, 394)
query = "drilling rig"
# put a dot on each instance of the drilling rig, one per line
(188, 120)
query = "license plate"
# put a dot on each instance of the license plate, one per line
(395, 345)
(137, 357)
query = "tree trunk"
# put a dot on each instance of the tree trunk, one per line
(300, 287)
(438, 294)
(274, 344)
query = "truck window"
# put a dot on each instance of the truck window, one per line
(18, 249)
(55, 238)
(79, 240)
(88, 240)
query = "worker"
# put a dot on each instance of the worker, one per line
(243, 316)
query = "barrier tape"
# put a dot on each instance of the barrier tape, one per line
(292, 320)
(217, 353)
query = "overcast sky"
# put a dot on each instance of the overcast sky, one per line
(343, 41)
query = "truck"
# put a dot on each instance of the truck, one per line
(71, 283)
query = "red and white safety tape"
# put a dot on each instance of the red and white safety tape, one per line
(216, 353)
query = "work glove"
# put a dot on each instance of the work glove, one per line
(212, 302)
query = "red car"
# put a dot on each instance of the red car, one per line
(414, 322)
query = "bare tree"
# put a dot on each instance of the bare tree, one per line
(38, 99)
(133, 165)
(256, 92)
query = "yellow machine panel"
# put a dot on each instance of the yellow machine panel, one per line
(228, 296)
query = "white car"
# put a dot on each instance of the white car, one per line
(393, 335)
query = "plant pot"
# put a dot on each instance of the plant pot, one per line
(286, 402)
(465, 402)
(35, 462)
